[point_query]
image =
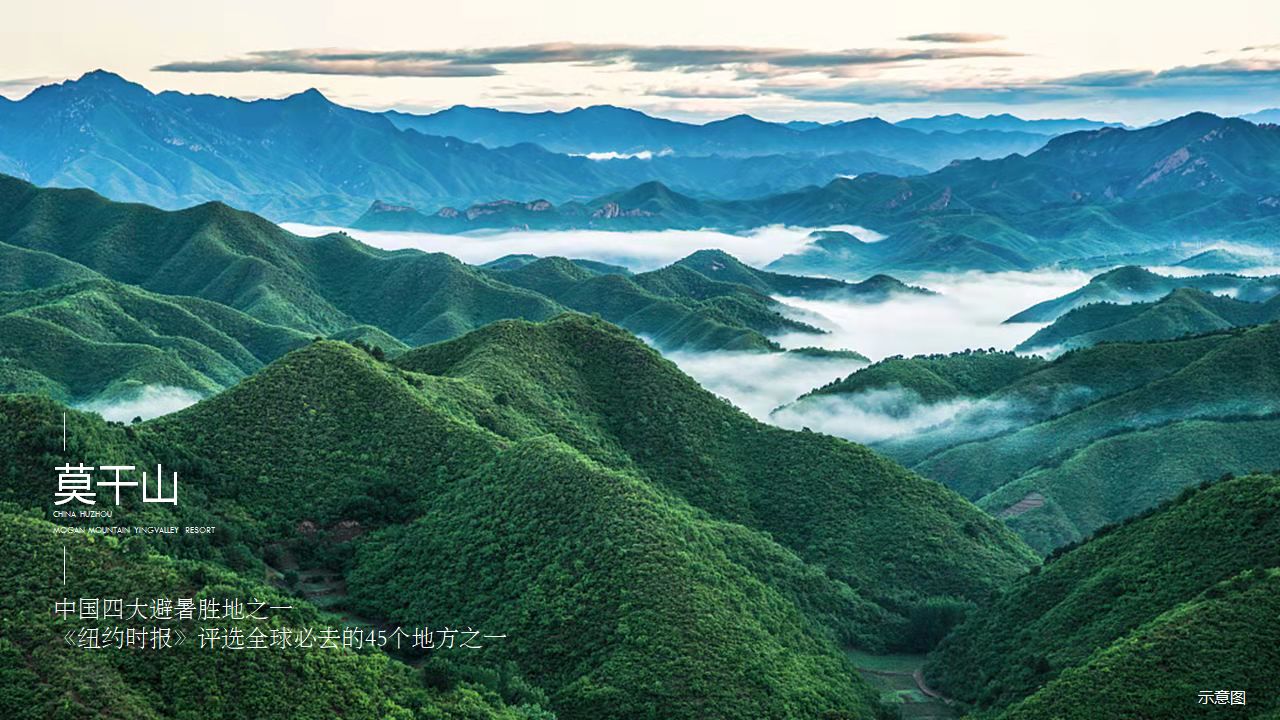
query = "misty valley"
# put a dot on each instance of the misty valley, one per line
(950, 417)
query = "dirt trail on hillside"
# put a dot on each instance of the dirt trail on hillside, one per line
(918, 676)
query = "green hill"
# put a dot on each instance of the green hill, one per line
(1130, 284)
(934, 378)
(314, 285)
(566, 485)
(330, 284)
(23, 269)
(512, 262)
(675, 307)
(721, 266)
(43, 678)
(199, 298)
(1223, 260)
(1182, 312)
(100, 339)
(1059, 449)
(1137, 621)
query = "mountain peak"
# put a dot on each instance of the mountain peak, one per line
(710, 258)
(102, 77)
(739, 120)
(872, 121)
(652, 187)
(310, 96)
(606, 110)
(99, 81)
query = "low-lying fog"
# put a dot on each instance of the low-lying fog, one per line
(640, 250)
(968, 312)
(758, 382)
(147, 402)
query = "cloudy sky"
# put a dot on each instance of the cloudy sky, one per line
(1130, 60)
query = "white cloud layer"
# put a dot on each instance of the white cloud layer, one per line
(887, 413)
(149, 402)
(642, 250)
(757, 382)
(968, 313)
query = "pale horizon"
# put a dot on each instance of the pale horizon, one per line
(1130, 62)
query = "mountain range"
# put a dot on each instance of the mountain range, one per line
(99, 299)
(1270, 115)
(1136, 622)
(620, 131)
(1058, 449)
(1131, 284)
(1005, 122)
(1085, 196)
(1184, 311)
(303, 158)
(549, 478)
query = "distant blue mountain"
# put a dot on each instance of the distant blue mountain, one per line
(1004, 122)
(1271, 116)
(605, 128)
(304, 158)
(1088, 197)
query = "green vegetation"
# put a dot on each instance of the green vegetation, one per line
(1059, 449)
(317, 286)
(721, 266)
(97, 338)
(935, 378)
(648, 550)
(1130, 284)
(895, 677)
(200, 298)
(44, 678)
(1138, 620)
(819, 352)
(512, 262)
(675, 307)
(1182, 312)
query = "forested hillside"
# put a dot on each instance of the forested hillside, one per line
(1180, 313)
(41, 680)
(1131, 284)
(198, 299)
(1137, 621)
(1059, 449)
(577, 480)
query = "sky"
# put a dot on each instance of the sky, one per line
(1129, 61)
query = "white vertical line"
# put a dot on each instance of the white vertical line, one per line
(64, 564)
(64, 431)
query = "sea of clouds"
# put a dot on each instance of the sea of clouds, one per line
(968, 312)
(640, 250)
